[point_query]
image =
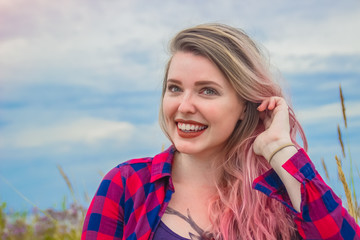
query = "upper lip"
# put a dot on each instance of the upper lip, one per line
(189, 122)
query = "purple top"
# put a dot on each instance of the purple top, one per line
(163, 232)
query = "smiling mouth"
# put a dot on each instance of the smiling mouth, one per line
(190, 130)
(186, 127)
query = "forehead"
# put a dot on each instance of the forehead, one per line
(189, 65)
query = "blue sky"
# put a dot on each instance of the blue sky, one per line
(80, 82)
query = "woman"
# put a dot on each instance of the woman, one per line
(232, 132)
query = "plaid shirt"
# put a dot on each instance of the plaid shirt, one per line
(133, 196)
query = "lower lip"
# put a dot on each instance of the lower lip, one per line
(189, 134)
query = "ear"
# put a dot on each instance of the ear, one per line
(243, 112)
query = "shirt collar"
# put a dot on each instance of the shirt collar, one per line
(161, 164)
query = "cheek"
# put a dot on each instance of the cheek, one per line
(226, 117)
(168, 108)
(166, 116)
(224, 112)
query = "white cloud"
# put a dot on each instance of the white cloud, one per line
(308, 45)
(324, 113)
(77, 44)
(89, 44)
(84, 131)
(316, 63)
(347, 85)
(327, 36)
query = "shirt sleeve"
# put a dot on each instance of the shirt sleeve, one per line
(322, 215)
(104, 218)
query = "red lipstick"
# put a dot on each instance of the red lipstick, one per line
(190, 129)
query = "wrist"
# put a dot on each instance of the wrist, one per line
(279, 150)
(273, 147)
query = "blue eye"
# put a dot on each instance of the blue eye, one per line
(174, 88)
(209, 91)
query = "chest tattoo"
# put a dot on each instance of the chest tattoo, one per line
(200, 233)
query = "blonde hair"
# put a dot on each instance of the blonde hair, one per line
(238, 210)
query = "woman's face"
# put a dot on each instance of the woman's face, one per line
(200, 107)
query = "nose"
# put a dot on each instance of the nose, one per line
(187, 104)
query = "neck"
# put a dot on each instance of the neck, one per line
(196, 170)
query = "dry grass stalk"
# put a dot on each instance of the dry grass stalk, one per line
(346, 188)
(87, 198)
(101, 173)
(343, 106)
(28, 200)
(68, 183)
(340, 140)
(356, 208)
(325, 169)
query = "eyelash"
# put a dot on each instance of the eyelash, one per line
(171, 88)
(213, 91)
(175, 89)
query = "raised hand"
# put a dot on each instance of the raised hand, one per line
(274, 113)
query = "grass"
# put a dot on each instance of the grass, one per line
(348, 185)
(49, 224)
(64, 224)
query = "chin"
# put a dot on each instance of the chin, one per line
(187, 148)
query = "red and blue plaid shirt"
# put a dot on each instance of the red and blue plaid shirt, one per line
(133, 196)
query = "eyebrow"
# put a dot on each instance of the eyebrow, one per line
(197, 83)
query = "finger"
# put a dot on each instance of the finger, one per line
(282, 104)
(264, 104)
(277, 102)
(272, 103)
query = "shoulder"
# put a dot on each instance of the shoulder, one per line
(135, 165)
(129, 168)
(142, 168)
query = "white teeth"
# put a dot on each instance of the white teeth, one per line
(190, 127)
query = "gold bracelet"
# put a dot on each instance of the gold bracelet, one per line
(279, 149)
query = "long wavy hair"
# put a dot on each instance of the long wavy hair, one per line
(238, 211)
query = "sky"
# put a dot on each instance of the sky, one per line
(80, 83)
